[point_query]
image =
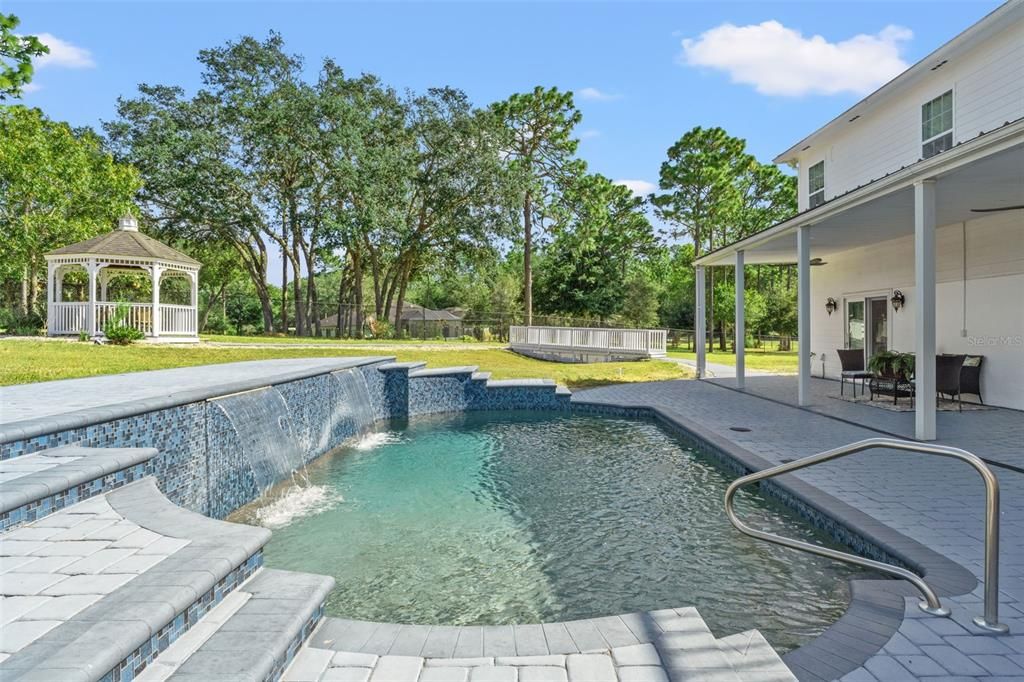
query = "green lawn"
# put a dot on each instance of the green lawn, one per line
(312, 340)
(24, 361)
(773, 361)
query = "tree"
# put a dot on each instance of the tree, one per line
(539, 148)
(57, 186)
(194, 192)
(16, 53)
(589, 260)
(714, 192)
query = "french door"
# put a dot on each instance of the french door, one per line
(867, 324)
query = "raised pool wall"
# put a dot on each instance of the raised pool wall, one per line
(200, 465)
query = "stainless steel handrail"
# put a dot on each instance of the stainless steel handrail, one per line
(990, 621)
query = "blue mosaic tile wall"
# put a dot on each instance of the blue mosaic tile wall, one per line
(460, 392)
(179, 433)
(48, 505)
(136, 662)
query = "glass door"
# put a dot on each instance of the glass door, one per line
(878, 325)
(855, 323)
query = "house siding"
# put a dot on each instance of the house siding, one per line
(988, 91)
(994, 321)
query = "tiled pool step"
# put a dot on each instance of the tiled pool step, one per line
(119, 577)
(276, 612)
(448, 389)
(35, 486)
(669, 645)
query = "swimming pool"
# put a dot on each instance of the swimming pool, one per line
(518, 517)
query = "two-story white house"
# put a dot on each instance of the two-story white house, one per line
(911, 221)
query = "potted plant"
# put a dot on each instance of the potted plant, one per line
(892, 364)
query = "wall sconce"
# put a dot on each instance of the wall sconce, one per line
(831, 305)
(897, 300)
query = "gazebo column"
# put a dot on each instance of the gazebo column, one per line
(156, 271)
(93, 269)
(104, 279)
(51, 287)
(194, 279)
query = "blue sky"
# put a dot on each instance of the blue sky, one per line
(770, 72)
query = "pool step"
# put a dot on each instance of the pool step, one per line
(750, 655)
(457, 389)
(37, 485)
(668, 645)
(102, 587)
(278, 611)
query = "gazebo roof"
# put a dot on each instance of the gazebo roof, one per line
(125, 241)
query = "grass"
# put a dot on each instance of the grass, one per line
(26, 361)
(780, 362)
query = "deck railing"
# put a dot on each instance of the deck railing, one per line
(72, 318)
(647, 342)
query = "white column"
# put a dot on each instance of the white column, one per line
(924, 309)
(93, 269)
(104, 279)
(803, 314)
(741, 329)
(700, 324)
(154, 312)
(50, 288)
(58, 295)
(195, 302)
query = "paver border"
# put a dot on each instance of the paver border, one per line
(877, 607)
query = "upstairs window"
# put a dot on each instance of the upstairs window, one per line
(816, 184)
(937, 125)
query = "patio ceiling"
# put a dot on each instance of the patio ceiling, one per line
(884, 209)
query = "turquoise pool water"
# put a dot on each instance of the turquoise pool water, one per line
(493, 518)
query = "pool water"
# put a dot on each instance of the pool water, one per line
(508, 517)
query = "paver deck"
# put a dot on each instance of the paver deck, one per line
(934, 501)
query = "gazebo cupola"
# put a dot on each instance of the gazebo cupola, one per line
(122, 251)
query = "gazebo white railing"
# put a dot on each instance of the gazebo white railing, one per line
(123, 251)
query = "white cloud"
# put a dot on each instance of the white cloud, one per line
(595, 95)
(63, 54)
(778, 60)
(640, 188)
(30, 87)
(588, 134)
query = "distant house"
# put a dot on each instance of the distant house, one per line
(911, 209)
(416, 321)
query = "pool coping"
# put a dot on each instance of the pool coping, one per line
(41, 426)
(877, 607)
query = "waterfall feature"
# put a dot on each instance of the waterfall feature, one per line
(263, 424)
(354, 406)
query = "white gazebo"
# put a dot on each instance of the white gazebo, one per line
(122, 251)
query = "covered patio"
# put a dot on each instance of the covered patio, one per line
(123, 251)
(959, 204)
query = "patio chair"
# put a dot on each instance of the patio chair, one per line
(852, 362)
(970, 376)
(947, 377)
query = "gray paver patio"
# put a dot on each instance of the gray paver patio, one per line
(934, 501)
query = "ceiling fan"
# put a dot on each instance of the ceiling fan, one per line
(997, 209)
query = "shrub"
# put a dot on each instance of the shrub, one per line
(25, 324)
(117, 330)
(83, 335)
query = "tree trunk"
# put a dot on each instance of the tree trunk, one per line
(357, 276)
(527, 254)
(24, 291)
(284, 280)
